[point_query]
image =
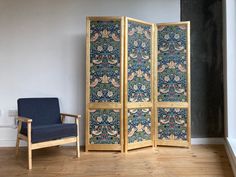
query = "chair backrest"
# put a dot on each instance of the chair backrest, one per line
(43, 111)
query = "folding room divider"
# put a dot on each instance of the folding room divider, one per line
(137, 84)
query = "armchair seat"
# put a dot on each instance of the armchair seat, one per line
(50, 132)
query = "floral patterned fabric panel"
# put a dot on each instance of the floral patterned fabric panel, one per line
(139, 62)
(172, 123)
(139, 125)
(105, 61)
(172, 63)
(104, 126)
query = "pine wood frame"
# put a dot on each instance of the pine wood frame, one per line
(186, 105)
(107, 105)
(33, 146)
(137, 105)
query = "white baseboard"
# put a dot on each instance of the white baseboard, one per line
(11, 143)
(231, 156)
(195, 141)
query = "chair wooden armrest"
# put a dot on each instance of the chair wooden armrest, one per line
(71, 115)
(21, 136)
(24, 119)
(76, 117)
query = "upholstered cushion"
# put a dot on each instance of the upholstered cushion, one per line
(43, 111)
(51, 132)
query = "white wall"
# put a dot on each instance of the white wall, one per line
(229, 7)
(42, 48)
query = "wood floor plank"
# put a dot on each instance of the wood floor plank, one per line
(198, 161)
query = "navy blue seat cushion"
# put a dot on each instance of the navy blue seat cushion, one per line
(43, 111)
(51, 132)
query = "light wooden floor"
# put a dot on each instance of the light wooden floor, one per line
(199, 161)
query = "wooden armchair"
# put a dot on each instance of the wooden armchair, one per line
(41, 124)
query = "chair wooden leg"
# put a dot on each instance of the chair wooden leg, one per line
(77, 140)
(18, 138)
(29, 158)
(17, 145)
(29, 146)
(78, 148)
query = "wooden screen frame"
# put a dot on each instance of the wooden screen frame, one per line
(186, 105)
(137, 105)
(103, 105)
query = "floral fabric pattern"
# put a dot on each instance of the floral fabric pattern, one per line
(139, 125)
(104, 126)
(105, 61)
(139, 62)
(172, 63)
(172, 123)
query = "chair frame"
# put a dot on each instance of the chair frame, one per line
(44, 144)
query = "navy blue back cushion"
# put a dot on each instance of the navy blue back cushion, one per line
(43, 111)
